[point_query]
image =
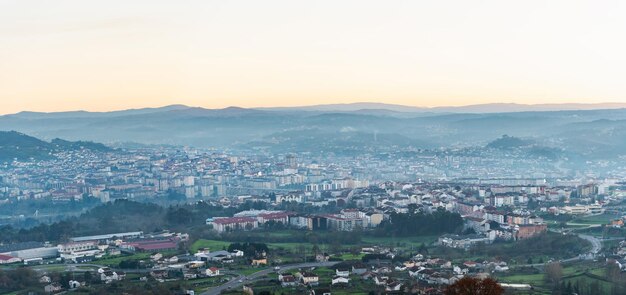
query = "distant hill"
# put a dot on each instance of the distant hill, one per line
(474, 109)
(508, 142)
(599, 133)
(15, 145)
(21, 146)
(61, 144)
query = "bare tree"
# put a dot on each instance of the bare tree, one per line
(554, 273)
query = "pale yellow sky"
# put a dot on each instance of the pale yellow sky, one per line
(106, 55)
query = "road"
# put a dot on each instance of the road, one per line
(234, 283)
(596, 246)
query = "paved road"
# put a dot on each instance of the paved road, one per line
(234, 283)
(596, 246)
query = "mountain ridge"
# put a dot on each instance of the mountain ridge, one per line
(344, 107)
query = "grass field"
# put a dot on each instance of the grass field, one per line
(595, 219)
(350, 256)
(405, 242)
(212, 245)
(571, 274)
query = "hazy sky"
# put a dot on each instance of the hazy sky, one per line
(104, 55)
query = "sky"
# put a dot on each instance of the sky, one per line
(109, 55)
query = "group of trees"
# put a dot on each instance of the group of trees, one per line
(548, 244)
(420, 223)
(474, 286)
(120, 216)
(18, 279)
(613, 282)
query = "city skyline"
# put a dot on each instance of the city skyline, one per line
(76, 55)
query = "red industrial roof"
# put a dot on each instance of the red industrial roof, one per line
(6, 257)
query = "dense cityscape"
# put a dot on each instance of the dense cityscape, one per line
(415, 220)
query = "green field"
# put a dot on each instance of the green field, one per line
(404, 242)
(583, 273)
(350, 256)
(212, 245)
(596, 219)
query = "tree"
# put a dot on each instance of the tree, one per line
(316, 249)
(474, 286)
(87, 277)
(554, 273)
(422, 249)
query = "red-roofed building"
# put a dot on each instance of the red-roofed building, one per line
(234, 223)
(152, 245)
(212, 272)
(6, 259)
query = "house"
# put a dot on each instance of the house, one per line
(287, 280)
(109, 276)
(459, 270)
(367, 275)
(359, 268)
(219, 256)
(309, 278)
(159, 274)
(342, 272)
(259, 261)
(446, 279)
(320, 292)
(53, 288)
(393, 286)
(340, 280)
(383, 270)
(470, 264)
(156, 256)
(462, 242)
(212, 272)
(415, 271)
(190, 274)
(74, 284)
(501, 268)
(380, 281)
(195, 264)
(45, 280)
(173, 259)
(322, 257)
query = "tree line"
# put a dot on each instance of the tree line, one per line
(418, 223)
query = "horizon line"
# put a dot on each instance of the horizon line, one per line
(417, 108)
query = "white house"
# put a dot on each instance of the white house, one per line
(309, 278)
(74, 284)
(212, 272)
(340, 280)
(342, 272)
